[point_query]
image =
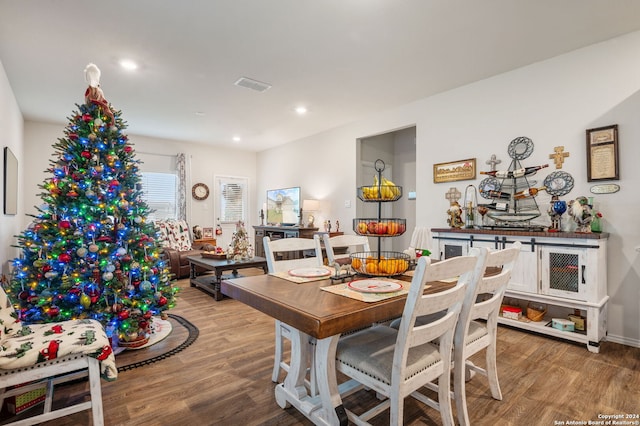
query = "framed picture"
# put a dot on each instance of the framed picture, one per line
(207, 232)
(456, 170)
(602, 153)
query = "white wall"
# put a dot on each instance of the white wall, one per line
(552, 102)
(11, 129)
(203, 163)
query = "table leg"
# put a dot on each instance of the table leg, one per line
(293, 389)
(192, 273)
(217, 294)
(325, 409)
(325, 365)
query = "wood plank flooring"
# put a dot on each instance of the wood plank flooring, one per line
(224, 378)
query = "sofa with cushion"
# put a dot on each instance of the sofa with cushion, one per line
(177, 245)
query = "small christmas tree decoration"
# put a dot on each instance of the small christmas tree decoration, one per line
(90, 252)
(240, 247)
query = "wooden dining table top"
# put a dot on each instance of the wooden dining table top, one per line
(311, 310)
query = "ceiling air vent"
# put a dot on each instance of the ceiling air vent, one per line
(252, 84)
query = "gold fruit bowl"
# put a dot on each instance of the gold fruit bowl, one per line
(389, 263)
(380, 193)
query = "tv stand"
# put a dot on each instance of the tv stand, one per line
(278, 232)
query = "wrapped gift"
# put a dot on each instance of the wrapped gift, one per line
(18, 403)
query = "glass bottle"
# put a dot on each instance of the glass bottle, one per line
(596, 224)
(499, 194)
(529, 192)
(523, 171)
(496, 206)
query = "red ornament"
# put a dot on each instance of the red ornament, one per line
(54, 311)
(23, 295)
(86, 118)
(123, 315)
(114, 183)
(64, 224)
(162, 301)
(85, 154)
(64, 257)
(147, 315)
(144, 325)
(128, 149)
(46, 268)
(73, 136)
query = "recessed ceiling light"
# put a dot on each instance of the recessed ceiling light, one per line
(128, 65)
(301, 110)
(236, 139)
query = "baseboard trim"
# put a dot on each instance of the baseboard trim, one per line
(623, 340)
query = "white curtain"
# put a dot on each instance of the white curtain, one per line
(182, 186)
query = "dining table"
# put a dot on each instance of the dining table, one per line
(324, 316)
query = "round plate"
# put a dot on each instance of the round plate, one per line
(559, 183)
(310, 272)
(520, 148)
(487, 185)
(375, 286)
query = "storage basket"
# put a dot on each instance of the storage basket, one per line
(389, 263)
(536, 312)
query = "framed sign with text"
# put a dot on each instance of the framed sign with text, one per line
(602, 153)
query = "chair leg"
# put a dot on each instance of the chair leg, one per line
(492, 371)
(396, 409)
(459, 387)
(96, 392)
(48, 401)
(444, 397)
(278, 355)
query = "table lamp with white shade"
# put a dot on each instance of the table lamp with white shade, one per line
(310, 206)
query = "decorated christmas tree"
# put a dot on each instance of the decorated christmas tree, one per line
(90, 252)
(240, 247)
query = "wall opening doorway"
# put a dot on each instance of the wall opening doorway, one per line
(398, 151)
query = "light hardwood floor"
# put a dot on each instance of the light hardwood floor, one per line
(224, 378)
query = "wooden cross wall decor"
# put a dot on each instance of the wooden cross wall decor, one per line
(493, 161)
(558, 156)
(452, 195)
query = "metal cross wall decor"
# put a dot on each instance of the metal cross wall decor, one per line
(493, 161)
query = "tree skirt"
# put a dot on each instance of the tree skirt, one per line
(160, 329)
(169, 337)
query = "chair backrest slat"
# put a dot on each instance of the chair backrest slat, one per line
(353, 243)
(492, 286)
(417, 304)
(293, 247)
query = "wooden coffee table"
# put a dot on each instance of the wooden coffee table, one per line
(211, 282)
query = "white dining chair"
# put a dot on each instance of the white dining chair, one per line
(471, 336)
(352, 243)
(283, 255)
(396, 363)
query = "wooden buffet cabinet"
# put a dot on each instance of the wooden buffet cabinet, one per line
(564, 271)
(278, 232)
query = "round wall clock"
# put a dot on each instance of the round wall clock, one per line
(200, 191)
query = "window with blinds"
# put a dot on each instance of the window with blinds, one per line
(232, 196)
(160, 192)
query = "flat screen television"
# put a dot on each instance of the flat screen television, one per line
(283, 206)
